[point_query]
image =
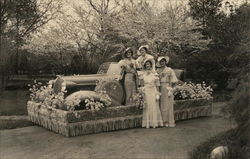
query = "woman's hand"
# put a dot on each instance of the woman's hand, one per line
(170, 91)
(158, 95)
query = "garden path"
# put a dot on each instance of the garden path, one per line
(169, 143)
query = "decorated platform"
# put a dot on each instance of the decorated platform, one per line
(80, 122)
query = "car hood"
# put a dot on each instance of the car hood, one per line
(76, 80)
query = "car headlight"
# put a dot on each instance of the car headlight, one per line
(50, 84)
(63, 85)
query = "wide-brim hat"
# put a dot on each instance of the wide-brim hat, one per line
(146, 47)
(166, 58)
(151, 60)
(126, 51)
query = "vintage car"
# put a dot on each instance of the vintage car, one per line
(84, 84)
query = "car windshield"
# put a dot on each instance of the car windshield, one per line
(110, 68)
(103, 68)
(114, 69)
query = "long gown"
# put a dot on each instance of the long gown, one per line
(167, 77)
(151, 111)
(130, 79)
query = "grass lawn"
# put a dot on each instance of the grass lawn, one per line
(236, 139)
(14, 102)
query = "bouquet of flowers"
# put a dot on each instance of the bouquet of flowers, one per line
(139, 98)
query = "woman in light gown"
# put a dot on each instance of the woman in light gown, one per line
(151, 111)
(128, 64)
(144, 55)
(167, 78)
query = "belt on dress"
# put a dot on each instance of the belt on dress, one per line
(149, 85)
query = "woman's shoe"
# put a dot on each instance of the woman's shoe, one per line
(172, 125)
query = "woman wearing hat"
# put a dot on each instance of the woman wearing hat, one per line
(128, 64)
(167, 78)
(143, 52)
(151, 110)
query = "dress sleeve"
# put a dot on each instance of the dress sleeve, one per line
(173, 76)
(121, 63)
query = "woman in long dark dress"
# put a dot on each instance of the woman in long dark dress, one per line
(128, 64)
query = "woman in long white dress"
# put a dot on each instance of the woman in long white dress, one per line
(151, 111)
(167, 78)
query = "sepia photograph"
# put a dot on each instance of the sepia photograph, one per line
(124, 79)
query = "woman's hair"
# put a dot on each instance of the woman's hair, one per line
(145, 47)
(148, 61)
(163, 60)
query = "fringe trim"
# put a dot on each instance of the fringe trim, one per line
(193, 113)
(57, 121)
(89, 127)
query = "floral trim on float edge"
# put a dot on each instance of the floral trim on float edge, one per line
(44, 95)
(192, 91)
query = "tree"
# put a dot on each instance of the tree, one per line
(227, 33)
(207, 12)
(170, 31)
(19, 18)
(6, 67)
(105, 28)
(91, 39)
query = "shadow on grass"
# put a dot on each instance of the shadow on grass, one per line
(12, 124)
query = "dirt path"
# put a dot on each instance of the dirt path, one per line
(169, 143)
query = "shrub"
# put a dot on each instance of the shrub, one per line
(238, 108)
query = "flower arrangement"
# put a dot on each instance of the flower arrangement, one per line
(105, 98)
(139, 98)
(192, 91)
(44, 95)
(92, 104)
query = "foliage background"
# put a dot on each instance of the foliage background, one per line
(207, 38)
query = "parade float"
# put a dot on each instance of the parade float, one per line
(86, 104)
